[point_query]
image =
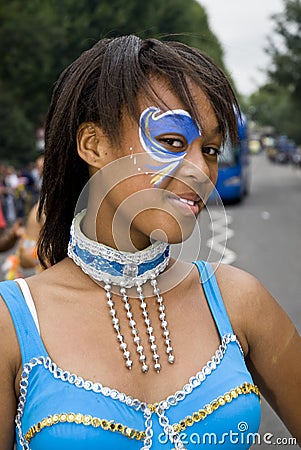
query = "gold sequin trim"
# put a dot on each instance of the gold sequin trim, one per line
(87, 420)
(131, 433)
(152, 407)
(201, 414)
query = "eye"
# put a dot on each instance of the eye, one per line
(177, 143)
(211, 151)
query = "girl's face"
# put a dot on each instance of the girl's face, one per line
(167, 169)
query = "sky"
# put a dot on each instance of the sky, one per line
(242, 26)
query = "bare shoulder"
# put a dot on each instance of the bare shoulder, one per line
(251, 307)
(239, 287)
(58, 281)
(243, 294)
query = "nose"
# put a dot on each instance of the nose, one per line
(195, 165)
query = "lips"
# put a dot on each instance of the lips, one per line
(189, 201)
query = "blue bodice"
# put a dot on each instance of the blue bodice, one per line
(218, 406)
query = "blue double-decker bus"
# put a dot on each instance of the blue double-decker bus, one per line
(234, 167)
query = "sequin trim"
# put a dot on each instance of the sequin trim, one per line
(222, 400)
(104, 263)
(111, 425)
(97, 249)
(146, 409)
(86, 420)
(196, 380)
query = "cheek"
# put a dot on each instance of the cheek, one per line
(133, 195)
(213, 172)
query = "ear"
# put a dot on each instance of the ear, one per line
(92, 144)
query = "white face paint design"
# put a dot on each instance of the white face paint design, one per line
(154, 123)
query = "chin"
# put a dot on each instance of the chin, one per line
(162, 226)
(172, 235)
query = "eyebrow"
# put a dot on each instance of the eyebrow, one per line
(214, 132)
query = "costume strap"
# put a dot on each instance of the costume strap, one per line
(214, 298)
(27, 333)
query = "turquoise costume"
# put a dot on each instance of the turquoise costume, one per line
(59, 410)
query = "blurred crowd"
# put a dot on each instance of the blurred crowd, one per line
(19, 190)
(19, 226)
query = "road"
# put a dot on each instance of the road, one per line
(264, 238)
(266, 241)
(267, 232)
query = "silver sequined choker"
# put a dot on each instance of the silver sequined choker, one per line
(126, 270)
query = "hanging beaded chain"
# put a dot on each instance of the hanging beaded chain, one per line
(125, 269)
(115, 321)
(164, 324)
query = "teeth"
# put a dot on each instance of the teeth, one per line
(188, 202)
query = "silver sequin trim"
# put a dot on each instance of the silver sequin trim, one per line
(163, 405)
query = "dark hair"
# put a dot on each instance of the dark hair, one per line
(98, 87)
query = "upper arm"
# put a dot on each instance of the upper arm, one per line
(275, 358)
(271, 342)
(9, 362)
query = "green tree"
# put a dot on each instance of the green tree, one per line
(38, 39)
(272, 106)
(17, 131)
(285, 52)
(278, 103)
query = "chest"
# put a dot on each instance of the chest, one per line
(58, 408)
(84, 341)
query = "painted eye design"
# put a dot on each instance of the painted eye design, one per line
(165, 136)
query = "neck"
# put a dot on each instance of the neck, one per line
(120, 237)
(104, 263)
(125, 270)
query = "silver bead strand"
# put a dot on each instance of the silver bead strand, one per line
(137, 341)
(115, 321)
(149, 329)
(164, 324)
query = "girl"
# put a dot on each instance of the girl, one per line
(117, 345)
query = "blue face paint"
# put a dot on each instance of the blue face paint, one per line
(154, 124)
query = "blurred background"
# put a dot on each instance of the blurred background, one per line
(258, 44)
